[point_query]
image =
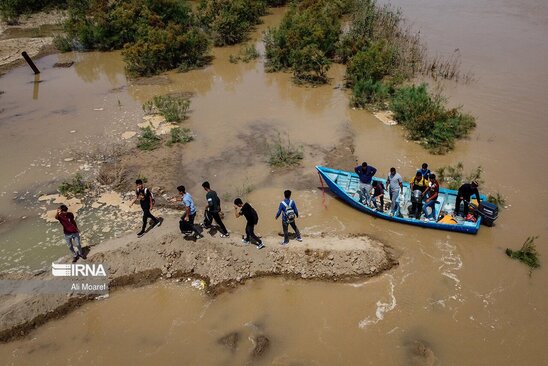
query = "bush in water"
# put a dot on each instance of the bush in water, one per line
(148, 140)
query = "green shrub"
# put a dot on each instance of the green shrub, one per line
(156, 35)
(62, 43)
(305, 40)
(367, 92)
(284, 154)
(180, 136)
(426, 119)
(148, 140)
(173, 108)
(74, 187)
(230, 21)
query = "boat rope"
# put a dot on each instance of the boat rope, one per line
(323, 191)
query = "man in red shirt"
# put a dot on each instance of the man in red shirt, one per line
(432, 192)
(70, 229)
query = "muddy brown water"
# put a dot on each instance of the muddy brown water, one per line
(456, 298)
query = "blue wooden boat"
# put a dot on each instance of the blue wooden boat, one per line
(346, 185)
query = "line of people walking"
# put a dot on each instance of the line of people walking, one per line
(213, 213)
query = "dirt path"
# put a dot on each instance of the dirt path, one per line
(221, 263)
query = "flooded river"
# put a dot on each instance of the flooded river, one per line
(453, 300)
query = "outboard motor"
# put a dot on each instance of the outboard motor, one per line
(416, 196)
(488, 212)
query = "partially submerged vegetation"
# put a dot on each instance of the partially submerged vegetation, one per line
(497, 199)
(527, 254)
(74, 187)
(284, 154)
(155, 35)
(247, 53)
(427, 119)
(179, 136)
(453, 176)
(382, 56)
(174, 108)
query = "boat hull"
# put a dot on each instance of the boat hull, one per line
(345, 184)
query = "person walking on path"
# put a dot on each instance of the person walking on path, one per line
(395, 188)
(187, 220)
(214, 208)
(432, 191)
(252, 218)
(464, 194)
(365, 173)
(289, 212)
(70, 229)
(146, 199)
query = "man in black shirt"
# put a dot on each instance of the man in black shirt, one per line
(241, 209)
(146, 199)
(465, 192)
(214, 208)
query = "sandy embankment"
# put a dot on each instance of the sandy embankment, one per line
(222, 263)
(11, 48)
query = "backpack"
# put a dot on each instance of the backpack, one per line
(145, 193)
(289, 212)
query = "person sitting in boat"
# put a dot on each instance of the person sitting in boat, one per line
(464, 194)
(430, 202)
(418, 186)
(425, 172)
(378, 191)
(365, 173)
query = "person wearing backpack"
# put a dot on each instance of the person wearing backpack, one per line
(289, 212)
(146, 199)
(252, 218)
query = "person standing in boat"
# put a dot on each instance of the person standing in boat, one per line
(365, 173)
(394, 183)
(252, 218)
(289, 212)
(418, 185)
(464, 194)
(432, 195)
(425, 172)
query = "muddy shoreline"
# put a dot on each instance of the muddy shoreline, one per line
(223, 264)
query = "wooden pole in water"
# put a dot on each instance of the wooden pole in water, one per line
(36, 86)
(29, 61)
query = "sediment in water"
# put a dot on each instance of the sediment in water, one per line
(221, 263)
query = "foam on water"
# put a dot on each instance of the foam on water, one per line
(382, 307)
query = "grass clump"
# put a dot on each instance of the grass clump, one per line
(497, 199)
(230, 21)
(247, 53)
(76, 186)
(174, 108)
(284, 154)
(453, 176)
(148, 140)
(527, 254)
(180, 136)
(427, 119)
